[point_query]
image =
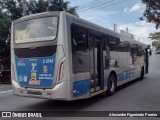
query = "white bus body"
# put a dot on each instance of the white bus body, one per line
(55, 55)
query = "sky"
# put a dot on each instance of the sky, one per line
(124, 13)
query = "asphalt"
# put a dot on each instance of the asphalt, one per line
(135, 96)
(5, 86)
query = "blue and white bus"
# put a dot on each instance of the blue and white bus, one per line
(56, 55)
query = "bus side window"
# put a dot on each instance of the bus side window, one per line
(133, 52)
(112, 43)
(107, 56)
(123, 46)
(80, 57)
(139, 51)
(79, 38)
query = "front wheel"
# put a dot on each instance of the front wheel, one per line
(112, 84)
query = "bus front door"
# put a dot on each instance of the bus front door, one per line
(96, 63)
(146, 60)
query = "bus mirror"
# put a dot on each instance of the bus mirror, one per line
(150, 52)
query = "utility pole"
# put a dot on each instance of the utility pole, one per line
(24, 7)
(115, 27)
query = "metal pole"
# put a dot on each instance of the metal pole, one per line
(115, 27)
(24, 7)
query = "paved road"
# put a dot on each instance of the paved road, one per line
(134, 96)
(5, 86)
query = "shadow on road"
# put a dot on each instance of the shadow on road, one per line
(129, 84)
(78, 105)
(5, 86)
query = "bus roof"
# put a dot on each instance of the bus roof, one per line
(82, 22)
(105, 30)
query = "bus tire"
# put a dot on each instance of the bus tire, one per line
(112, 84)
(142, 74)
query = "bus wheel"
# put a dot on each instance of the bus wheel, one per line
(142, 74)
(112, 84)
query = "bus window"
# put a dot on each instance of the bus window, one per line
(139, 51)
(112, 43)
(80, 52)
(79, 38)
(107, 55)
(123, 46)
(133, 52)
(38, 29)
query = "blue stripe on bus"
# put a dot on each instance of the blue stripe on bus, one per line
(105, 80)
(81, 87)
(124, 75)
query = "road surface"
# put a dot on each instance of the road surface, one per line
(135, 96)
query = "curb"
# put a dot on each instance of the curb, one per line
(5, 91)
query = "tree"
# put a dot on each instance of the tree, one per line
(157, 45)
(5, 23)
(12, 9)
(154, 43)
(154, 36)
(15, 10)
(152, 12)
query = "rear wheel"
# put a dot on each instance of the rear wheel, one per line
(112, 84)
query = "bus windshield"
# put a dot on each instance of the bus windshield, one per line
(38, 29)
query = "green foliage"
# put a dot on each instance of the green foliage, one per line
(156, 44)
(154, 36)
(152, 12)
(5, 23)
(12, 9)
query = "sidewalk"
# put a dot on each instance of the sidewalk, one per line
(4, 87)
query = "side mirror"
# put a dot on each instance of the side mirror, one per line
(150, 52)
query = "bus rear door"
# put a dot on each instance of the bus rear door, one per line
(96, 62)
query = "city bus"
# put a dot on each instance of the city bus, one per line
(56, 55)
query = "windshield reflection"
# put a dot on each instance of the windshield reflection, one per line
(37, 29)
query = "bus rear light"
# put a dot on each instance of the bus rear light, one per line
(13, 75)
(21, 91)
(60, 71)
(48, 94)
